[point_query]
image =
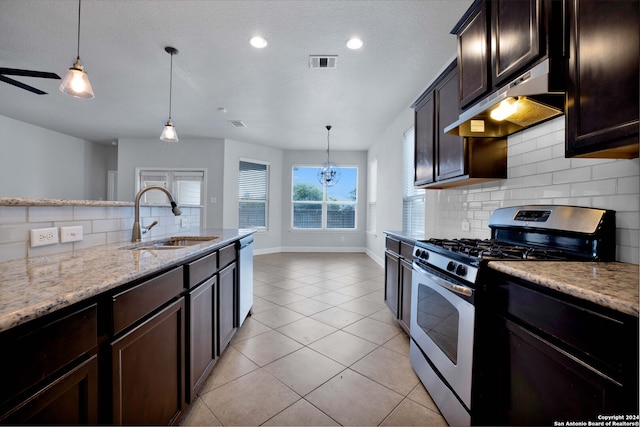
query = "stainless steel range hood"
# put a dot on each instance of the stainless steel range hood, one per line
(535, 103)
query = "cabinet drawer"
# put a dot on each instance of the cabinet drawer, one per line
(393, 245)
(135, 303)
(42, 351)
(406, 251)
(202, 269)
(593, 334)
(227, 255)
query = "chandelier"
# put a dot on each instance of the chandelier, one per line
(329, 173)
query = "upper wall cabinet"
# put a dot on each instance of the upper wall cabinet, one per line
(443, 160)
(602, 91)
(498, 39)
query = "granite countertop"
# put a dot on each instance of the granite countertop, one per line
(610, 284)
(33, 287)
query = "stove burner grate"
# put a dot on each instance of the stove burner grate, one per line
(477, 248)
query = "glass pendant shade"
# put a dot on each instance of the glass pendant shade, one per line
(76, 82)
(169, 133)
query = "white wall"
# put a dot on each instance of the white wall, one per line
(188, 153)
(40, 163)
(265, 241)
(388, 150)
(325, 240)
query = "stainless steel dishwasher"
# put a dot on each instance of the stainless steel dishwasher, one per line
(246, 277)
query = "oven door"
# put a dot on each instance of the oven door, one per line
(442, 325)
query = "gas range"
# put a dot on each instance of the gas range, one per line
(532, 233)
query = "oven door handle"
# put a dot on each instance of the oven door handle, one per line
(458, 289)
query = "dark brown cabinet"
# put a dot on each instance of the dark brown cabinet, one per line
(148, 352)
(202, 334)
(454, 161)
(397, 287)
(602, 91)
(499, 39)
(49, 374)
(473, 51)
(227, 305)
(588, 355)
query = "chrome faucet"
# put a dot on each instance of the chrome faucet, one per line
(135, 233)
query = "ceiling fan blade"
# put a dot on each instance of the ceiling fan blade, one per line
(22, 85)
(28, 73)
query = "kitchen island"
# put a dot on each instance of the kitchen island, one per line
(119, 334)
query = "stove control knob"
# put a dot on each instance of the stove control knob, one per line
(451, 266)
(461, 270)
(425, 255)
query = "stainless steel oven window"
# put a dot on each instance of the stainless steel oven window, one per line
(439, 319)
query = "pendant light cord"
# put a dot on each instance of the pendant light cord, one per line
(170, 85)
(79, 3)
(328, 132)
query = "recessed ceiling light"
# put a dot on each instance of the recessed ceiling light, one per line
(355, 43)
(258, 42)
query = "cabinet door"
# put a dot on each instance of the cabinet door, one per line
(227, 305)
(148, 370)
(473, 62)
(71, 399)
(515, 37)
(424, 141)
(450, 148)
(202, 335)
(406, 271)
(602, 94)
(391, 281)
(568, 389)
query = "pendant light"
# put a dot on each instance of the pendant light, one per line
(76, 82)
(329, 174)
(169, 132)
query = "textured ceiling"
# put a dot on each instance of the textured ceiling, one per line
(283, 102)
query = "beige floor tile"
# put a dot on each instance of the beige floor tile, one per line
(199, 415)
(250, 400)
(373, 330)
(262, 291)
(419, 395)
(304, 370)
(333, 298)
(309, 290)
(231, 365)
(355, 291)
(250, 328)
(362, 306)
(276, 317)
(331, 284)
(308, 306)
(399, 344)
(409, 413)
(376, 296)
(343, 347)
(352, 399)
(289, 284)
(283, 297)
(265, 348)
(301, 413)
(385, 316)
(260, 305)
(388, 368)
(337, 317)
(306, 330)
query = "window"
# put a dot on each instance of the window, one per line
(253, 190)
(315, 206)
(413, 202)
(372, 181)
(186, 186)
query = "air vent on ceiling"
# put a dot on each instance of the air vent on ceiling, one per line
(323, 61)
(237, 123)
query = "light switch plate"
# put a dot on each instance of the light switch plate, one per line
(71, 234)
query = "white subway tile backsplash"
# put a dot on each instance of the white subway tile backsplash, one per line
(50, 213)
(13, 214)
(105, 225)
(9, 251)
(538, 173)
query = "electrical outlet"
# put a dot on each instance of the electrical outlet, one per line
(43, 236)
(70, 234)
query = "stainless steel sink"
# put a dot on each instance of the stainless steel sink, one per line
(176, 242)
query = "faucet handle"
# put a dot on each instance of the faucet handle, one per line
(149, 227)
